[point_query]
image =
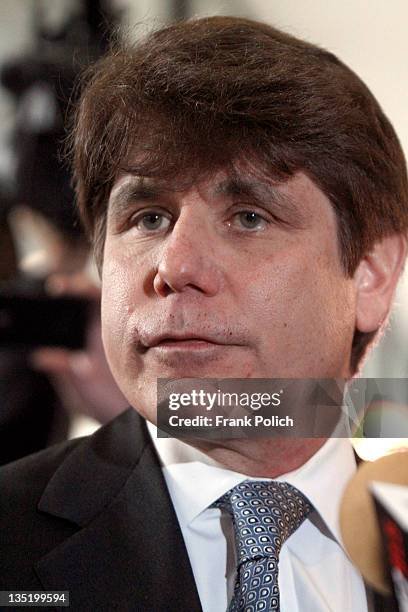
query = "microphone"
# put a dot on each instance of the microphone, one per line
(367, 508)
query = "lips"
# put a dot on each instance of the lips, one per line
(186, 340)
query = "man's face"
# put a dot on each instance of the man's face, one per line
(230, 278)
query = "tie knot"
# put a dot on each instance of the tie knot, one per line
(264, 515)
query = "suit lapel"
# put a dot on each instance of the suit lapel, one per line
(129, 553)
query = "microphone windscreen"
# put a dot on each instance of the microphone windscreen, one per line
(358, 520)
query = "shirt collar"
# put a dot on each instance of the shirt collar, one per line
(195, 481)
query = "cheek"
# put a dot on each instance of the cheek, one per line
(279, 291)
(306, 315)
(115, 303)
(124, 296)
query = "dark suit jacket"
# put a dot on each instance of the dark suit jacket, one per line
(93, 517)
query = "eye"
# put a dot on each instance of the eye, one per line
(250, 219)
(151, 222)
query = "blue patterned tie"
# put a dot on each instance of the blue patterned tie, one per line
(264, 515)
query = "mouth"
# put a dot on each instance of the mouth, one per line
(189, 344)
(170, 343)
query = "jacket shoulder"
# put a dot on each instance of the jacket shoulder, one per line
(26, 534)
(25, 479)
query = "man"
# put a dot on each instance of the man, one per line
(247, 200)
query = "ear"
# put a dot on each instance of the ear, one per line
(376, 278)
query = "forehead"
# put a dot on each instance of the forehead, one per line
(227, 183)
(231, 174)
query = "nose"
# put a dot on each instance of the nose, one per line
(188, 260)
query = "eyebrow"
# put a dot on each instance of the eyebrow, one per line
(281, 206)
(136, 189)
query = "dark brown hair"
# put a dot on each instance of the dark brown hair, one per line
(203, 94)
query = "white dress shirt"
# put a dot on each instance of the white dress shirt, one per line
(315, 574)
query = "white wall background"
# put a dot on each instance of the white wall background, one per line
(15, 37)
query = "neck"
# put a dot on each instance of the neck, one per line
(262, 458)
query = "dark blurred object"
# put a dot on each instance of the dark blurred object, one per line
(30, 321)
(31, 414)
(43, 86)
(180, 9)
(8, 257)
